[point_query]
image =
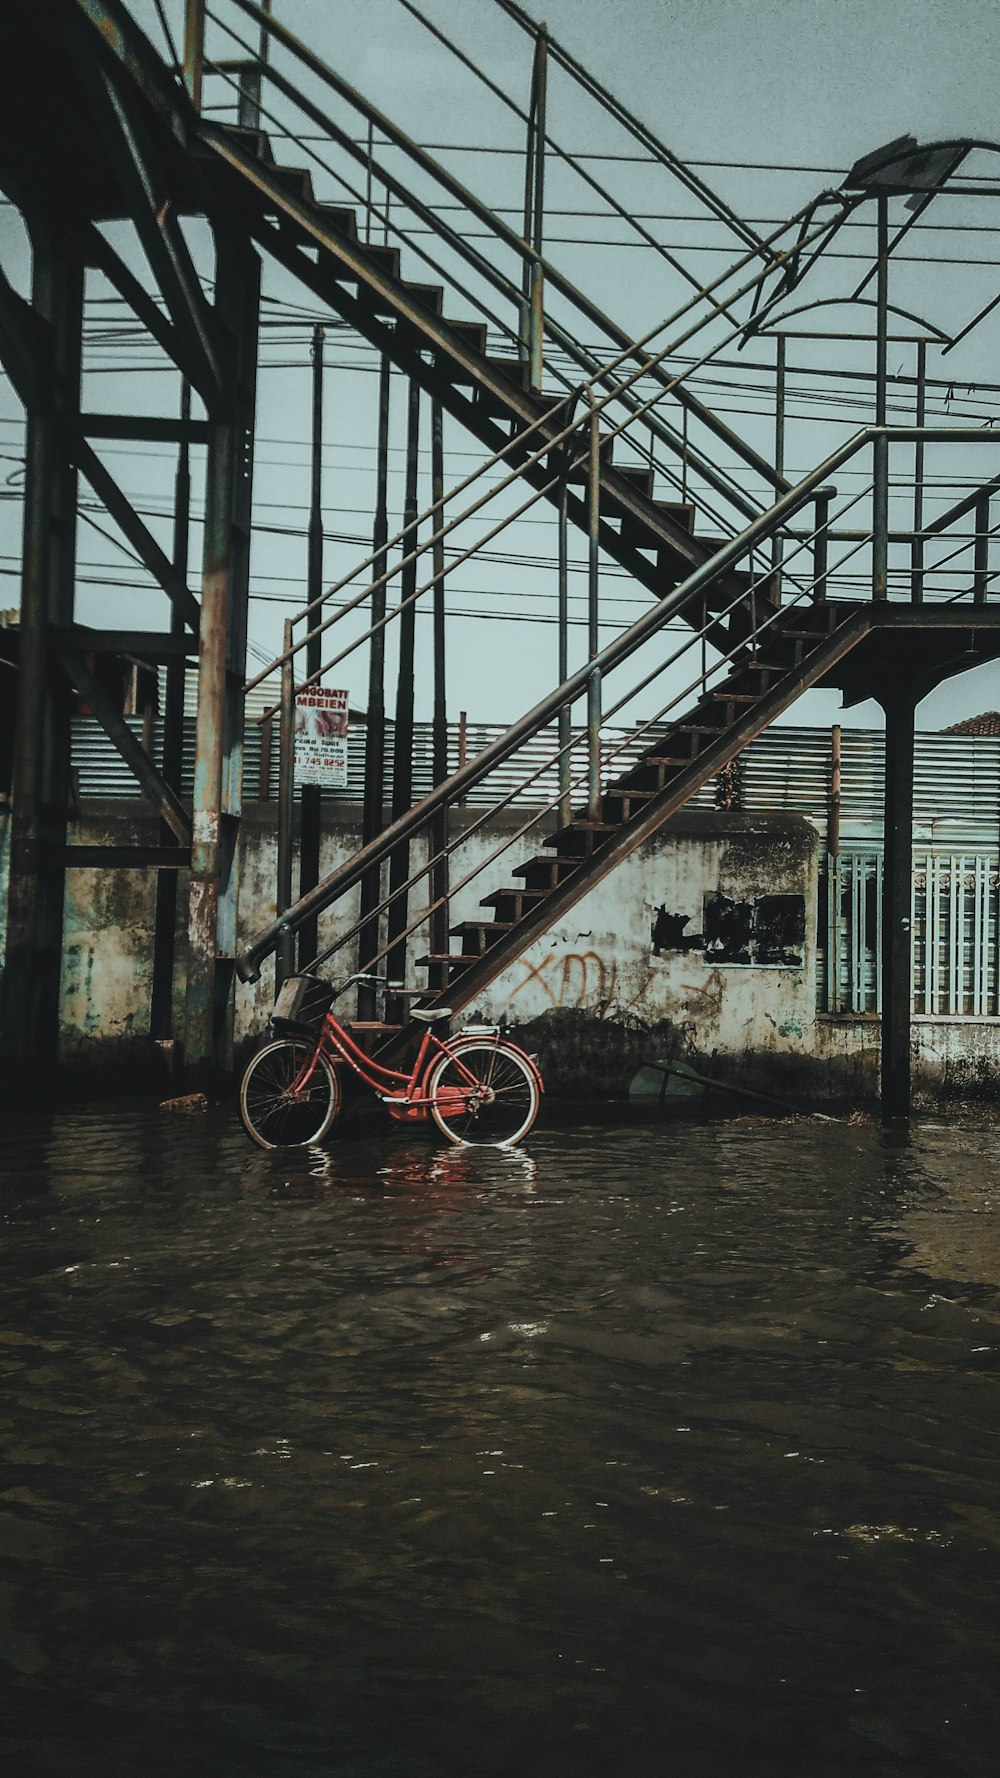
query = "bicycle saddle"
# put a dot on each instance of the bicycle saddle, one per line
(430, 1014)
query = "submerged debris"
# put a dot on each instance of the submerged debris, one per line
(188, 1102)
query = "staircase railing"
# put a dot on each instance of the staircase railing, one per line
(489, 270)
(855, 569)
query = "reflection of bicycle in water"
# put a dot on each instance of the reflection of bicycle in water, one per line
(478, 1088)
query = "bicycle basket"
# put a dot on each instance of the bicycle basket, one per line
(302, 1004)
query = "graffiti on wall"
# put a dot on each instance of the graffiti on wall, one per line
(572, 979)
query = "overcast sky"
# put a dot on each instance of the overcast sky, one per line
(779, 81)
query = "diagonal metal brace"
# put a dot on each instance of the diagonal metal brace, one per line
(135, 756)
(131, 152)
(142, 540)
(102, 255)
(25, 347)
(166, 250)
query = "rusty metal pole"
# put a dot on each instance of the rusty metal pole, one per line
(284, 957)
(374, 795)
(821, 547)
(30, 987)
(565, 717)
(880, 489)
(834, 922)
(981, 559)
(777, 543)
(214, 881)
(593, 617)
(311, 804)
(251, 83)
(897, 936)
(917, 546)
(402, 754)
(194, 50)
(161, 1013)
(533, 277)
(439, 743)
(536, 337)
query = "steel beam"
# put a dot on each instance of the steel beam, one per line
(150, 779)
(374, 803)
(897, 895)
(146, 428)
(402, 756)
(149, 206)
(311, 804)
(212, 908)
(25, 346)
(139, 536)
(161, 1010)
(439, 826)
(146, 645)
(102, 256)
(160, 858)
(29, 1006)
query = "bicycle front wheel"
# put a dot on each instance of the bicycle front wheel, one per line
(483, 1094)
(275, 1115)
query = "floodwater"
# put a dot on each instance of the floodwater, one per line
(661, 1449)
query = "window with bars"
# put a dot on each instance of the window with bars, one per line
(955, 920)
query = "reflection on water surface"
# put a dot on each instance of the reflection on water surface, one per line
(662, 1449)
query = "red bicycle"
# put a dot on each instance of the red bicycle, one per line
(478, 1088)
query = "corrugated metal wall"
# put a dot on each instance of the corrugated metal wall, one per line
(957, 777)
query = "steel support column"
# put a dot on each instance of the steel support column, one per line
(29, 1027)
(897, 966)
(402, 756)
(374, 804)
(222, 670)
(311, 804)
(439, 825)
(161, 1007)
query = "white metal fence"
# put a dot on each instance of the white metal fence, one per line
(955, 918)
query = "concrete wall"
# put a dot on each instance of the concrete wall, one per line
(701, 947)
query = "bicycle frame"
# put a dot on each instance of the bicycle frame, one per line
(409, 1100)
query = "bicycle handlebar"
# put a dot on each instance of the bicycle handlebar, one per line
(378, 981)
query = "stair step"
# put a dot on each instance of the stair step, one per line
(618, 803)
(546, 872)
(299, 182)
(385, 258)
(725, 706)
(580, 837)
(579, 473)
(426, 296)
(472, 335)
(478, 935)
(339, 217)
(637, 477)
(676, 511)
(509, 370)
(735, 581)
(512, 903)
(454, 962)
(258, 142)
(654, 772)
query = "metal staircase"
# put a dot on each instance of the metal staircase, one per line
(611, 435)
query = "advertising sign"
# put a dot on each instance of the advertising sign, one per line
(321, 737)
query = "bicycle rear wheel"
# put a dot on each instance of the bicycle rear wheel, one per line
(495, 1108)
(275, 1116)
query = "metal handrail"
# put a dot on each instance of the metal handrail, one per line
(500, 229)
(616, 651)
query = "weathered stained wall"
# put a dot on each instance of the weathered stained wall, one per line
(701, 947)
(640, 969)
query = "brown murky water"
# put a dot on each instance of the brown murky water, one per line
(644, 1450)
